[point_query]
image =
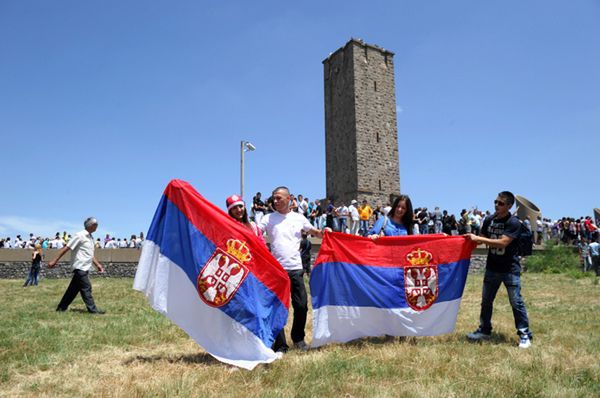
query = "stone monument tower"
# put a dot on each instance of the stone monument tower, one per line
(361, 138)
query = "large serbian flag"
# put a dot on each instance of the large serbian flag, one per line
(213, 278)
(398, 286)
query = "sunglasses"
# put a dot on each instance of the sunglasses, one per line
(499, 203)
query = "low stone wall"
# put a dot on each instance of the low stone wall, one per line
(118, 263)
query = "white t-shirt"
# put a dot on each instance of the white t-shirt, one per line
(353, 212)
(82, 246)
(303, 207)
(285, 234)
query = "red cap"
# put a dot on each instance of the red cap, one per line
(233, 200)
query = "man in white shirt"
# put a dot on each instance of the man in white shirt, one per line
(82, 258)
(285, 228)
(354, 219)
(343, 217)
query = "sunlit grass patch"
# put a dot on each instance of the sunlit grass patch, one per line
(133, 351)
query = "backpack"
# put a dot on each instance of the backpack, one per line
(524, 240)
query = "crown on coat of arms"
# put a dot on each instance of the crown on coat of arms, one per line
(239, 250)
(419, 257)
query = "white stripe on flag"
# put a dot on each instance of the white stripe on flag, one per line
(340, 324)
(170, 291)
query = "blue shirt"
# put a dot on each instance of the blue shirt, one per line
(595, 249)
(391, 228)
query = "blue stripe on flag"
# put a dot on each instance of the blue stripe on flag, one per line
(253, 305)
(343, 284)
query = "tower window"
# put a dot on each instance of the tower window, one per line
(377, 136)
(375, 86)
(380, 185)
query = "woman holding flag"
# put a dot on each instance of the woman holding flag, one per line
(398, 222)
(237, 210)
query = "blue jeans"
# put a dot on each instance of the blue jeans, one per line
(342, 224)
(491, 284)
(364, 227)
(33, 277)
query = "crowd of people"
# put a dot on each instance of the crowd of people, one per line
(357, 219)
(59, 241)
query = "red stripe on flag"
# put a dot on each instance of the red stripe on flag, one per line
(391, 251)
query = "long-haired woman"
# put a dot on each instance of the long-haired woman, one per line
(237, 210)
(398, 222)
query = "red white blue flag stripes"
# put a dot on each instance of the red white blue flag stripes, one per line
(399, 286)
(213, 278)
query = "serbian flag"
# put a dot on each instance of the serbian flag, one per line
(214, 278)
(398, 286)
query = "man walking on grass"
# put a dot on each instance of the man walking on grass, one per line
(82, 258)
(500, 232)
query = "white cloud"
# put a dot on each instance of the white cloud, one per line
(399, 109)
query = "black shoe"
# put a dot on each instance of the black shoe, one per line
(301, 345)
(58, 309)
(97, 312)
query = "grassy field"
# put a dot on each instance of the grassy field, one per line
(133, 351)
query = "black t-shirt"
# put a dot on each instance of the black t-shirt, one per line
(319, 211)
(507, 259)
(258, 204)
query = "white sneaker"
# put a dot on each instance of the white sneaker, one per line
(478, 335)
(525, 342)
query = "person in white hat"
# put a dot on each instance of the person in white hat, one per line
(354, 220)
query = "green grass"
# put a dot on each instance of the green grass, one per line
(133, 351)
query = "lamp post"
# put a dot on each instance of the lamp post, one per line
(245, 146)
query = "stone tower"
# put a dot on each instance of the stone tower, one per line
(361, 138)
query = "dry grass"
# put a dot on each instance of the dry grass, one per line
(133, 351)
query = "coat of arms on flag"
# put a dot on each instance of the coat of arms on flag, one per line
(420, 280)
(224, 273)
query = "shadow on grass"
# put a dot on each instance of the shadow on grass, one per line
(200, 358)
(496, 339)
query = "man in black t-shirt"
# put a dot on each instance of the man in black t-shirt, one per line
(258, 207)
(500, 232)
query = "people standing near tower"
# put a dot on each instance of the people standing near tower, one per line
(364, 212)
(354, 219)
(438, 225)
(82, 258)
(285, 228)
(342, 217)
(500, 232)
(398, 222)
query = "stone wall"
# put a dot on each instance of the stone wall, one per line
(19, 269)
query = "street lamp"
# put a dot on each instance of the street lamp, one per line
(245, 146)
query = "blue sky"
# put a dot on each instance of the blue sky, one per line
(102, 103)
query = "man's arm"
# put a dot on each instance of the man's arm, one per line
(61, 253)
(319, 233)
(499, 243)
(98, 265)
